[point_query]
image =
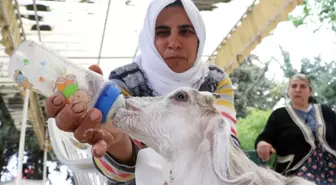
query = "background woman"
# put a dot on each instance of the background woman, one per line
(303, 135)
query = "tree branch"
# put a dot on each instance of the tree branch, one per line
(253, 85)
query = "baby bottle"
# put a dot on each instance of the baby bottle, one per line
(34, 66)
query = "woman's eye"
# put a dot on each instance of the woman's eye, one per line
(181, 96)
(186, 32)
(162, 33)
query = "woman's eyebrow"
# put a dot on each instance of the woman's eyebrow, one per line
(184, 26)
(163, 27)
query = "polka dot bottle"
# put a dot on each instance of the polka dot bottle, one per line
(34, 66)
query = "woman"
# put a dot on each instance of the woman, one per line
(303, 135)
(171, 43)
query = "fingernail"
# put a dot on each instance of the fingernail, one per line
(95, 150)
(99, 150)
(103, 143)
(88, 132)
(57, 100)
(94, 115)
(79, 107)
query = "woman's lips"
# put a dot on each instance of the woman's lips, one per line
(175, 58)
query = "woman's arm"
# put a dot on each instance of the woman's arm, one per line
(117, 172)
(118, 169)
(269, 133)
(226, 103)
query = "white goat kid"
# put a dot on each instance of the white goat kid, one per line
(189, 132)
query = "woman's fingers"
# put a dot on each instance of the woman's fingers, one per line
(99, 149)
(54, 104)
(101, 141)
(266, 155)
(70, 116)
(91, 121)
(103, 138)
(264, 152)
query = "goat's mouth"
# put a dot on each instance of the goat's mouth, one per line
(131, 105)
(124, 117)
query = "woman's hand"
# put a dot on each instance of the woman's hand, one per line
(86, 126)
(265, 150)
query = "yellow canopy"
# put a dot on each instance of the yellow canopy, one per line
(257, 23)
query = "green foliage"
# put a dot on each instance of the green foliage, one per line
(323, 80)
(300, 19)
(287, 68)
(251, 126)
(297, 21)
(252, 89)
(322, 11)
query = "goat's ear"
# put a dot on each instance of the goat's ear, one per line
(218, 135)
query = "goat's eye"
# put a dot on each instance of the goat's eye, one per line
(181, 96)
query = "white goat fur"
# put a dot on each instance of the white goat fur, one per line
(189, 132)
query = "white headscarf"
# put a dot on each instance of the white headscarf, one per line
(161, 78)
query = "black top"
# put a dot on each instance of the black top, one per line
(293, 141)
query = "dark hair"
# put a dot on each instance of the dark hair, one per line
(312, 100)
(177, 3)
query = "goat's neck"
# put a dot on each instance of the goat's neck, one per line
(192, 166)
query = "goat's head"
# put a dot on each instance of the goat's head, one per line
(165, 123)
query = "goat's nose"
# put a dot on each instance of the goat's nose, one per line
(217, 96)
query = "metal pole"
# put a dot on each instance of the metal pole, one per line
(45, 156)
(37, 21)
(104, 29)
(22, 136)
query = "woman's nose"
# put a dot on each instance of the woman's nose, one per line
(297, 90)
(174, 43)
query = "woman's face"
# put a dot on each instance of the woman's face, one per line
(299, 92)
(175, 39)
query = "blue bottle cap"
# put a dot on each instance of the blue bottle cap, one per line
(106, 99)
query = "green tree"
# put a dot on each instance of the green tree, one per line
(248, 130)
(322, 11)
(323, 80)
(251, 126)
(252, 88)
